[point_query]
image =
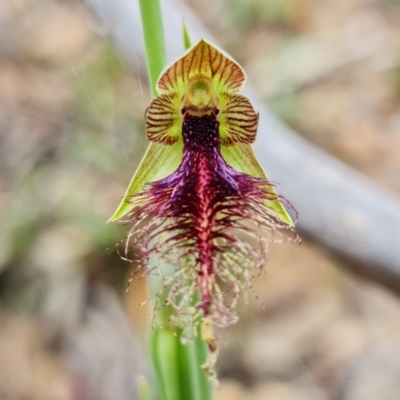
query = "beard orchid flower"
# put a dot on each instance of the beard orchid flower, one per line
(200, 200)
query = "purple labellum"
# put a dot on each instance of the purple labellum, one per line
(210, 221)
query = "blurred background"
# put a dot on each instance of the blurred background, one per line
(71, 136)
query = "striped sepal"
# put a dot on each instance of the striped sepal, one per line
(205, 60)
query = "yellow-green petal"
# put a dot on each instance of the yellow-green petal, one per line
(242, 158)
(158, 162)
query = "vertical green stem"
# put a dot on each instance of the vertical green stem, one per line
(165, 354)
(153, 30)
(178, 366)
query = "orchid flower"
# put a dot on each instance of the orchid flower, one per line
(200, 200)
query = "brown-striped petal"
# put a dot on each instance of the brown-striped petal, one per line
(238, 121)
(163, 124)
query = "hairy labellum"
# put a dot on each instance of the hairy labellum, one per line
(211, 222)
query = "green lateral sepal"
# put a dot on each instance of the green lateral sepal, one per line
(158, 162)
(242, 158)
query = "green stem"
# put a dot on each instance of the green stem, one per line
(165, 355)
(198, 387)
(202, 354)
(153, 30)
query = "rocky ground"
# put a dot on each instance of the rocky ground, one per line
(71, 126)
